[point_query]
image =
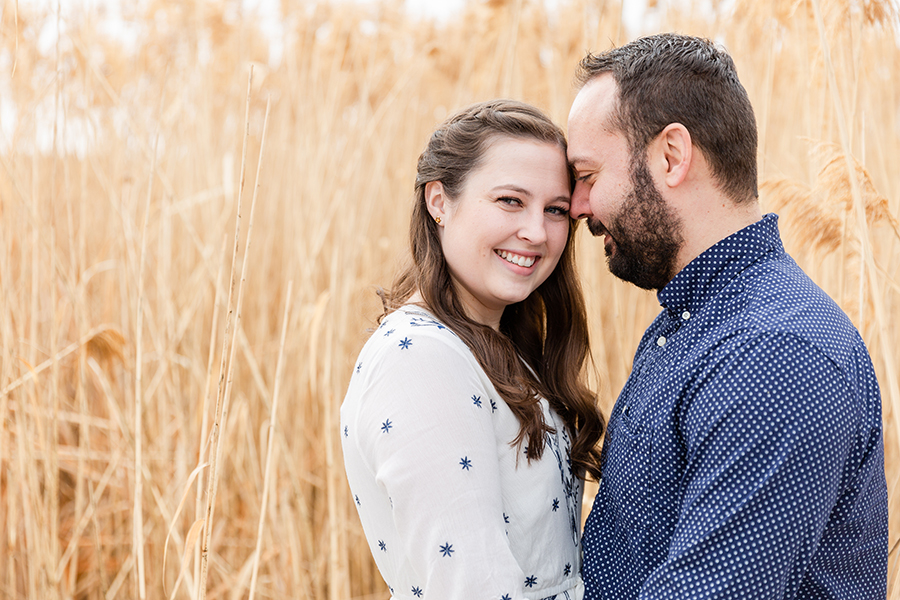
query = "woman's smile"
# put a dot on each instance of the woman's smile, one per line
(520, 260)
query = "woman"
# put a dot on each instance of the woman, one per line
(467, 426)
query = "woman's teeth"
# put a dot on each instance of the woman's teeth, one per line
(522, 261)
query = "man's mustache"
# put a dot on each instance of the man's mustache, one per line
(596, 227)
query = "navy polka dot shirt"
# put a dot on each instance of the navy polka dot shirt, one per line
(744, 457)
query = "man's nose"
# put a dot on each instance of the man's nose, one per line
(581, 205)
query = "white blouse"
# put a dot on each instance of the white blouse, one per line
(451, 508)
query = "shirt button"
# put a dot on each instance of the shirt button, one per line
(661, 341)
(685, 315)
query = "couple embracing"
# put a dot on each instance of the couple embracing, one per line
(743, 458)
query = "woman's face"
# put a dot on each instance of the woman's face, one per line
(505, 232)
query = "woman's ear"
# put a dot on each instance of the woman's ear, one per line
(675, 153)
(435, 200)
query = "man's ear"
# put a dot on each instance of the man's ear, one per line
(675, 153)
(435, 200)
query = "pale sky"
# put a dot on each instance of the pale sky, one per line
(114, 19)
(115, 22)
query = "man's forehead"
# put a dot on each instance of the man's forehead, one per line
(594, 102)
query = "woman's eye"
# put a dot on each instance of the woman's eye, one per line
(509, 200)
(558, 210)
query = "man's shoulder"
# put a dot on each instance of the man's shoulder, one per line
(776, 297)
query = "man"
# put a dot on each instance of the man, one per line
(744, 457)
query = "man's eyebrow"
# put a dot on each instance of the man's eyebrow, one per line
(577, 162)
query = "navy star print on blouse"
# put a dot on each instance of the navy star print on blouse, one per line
(744, 457)
(449, 506)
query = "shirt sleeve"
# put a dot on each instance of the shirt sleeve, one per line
(767, 430)
(427, 435)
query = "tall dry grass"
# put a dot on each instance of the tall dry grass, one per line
(141, 334)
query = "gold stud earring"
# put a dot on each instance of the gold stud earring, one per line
(437, 220)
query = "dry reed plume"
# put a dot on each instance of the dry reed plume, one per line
(165, 389)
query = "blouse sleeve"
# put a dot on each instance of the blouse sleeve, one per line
(426, 431)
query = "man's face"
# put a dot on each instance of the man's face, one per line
(615, 192)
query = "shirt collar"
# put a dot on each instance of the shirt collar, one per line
(709, 273)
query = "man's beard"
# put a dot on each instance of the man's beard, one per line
(646, 234)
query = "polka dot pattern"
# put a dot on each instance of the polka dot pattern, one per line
(744, 457)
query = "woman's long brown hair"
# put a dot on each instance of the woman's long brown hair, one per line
(548, 330)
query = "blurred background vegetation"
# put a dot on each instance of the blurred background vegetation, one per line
(169, 391)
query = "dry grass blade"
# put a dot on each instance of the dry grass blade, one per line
(106, 338)
(16, 53)
(204, 410)
(224, 365)
(138, 520)
(187, 490)
(190, 544)
(232, 345)
(119, 580)
(86, 517)
(270, 438)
